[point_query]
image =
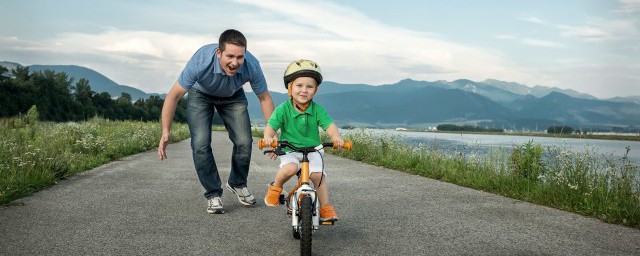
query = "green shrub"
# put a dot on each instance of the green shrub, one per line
(32, 116)
(34, 156)
(526, 161)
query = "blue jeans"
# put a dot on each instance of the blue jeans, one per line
(234, 114)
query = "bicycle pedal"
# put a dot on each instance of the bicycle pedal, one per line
(327, 223)
(282, 199)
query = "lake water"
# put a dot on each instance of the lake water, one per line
(481, 143)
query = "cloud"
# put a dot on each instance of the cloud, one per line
(586, 33)
(531, 41)
(121, 44)
(601, 80)
(599, 29)
(14, 43)
(353, 48)
(543, 43)
(629, 6)
(147, 60)
(350, 46)
(534, 19)
(506, 37)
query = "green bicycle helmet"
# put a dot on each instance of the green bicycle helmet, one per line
(300, 68)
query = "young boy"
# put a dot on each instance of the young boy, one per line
(298, 120)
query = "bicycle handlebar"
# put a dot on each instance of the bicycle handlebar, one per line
(347, 145)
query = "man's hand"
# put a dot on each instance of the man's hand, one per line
(271, 156)
(168, 111)
(164, 141)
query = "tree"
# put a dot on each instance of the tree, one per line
(84, 96)
(21, 73)
(124, 107)
(3, 71)
(560, 129)
(104, 105)
(57, 99)
(9, 104)
(19, 92)
(54, 99)
(467, 128)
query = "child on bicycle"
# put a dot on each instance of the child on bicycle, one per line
(298, 120)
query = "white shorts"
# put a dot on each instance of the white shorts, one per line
(315, 160)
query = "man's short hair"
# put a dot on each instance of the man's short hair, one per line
(232, 36)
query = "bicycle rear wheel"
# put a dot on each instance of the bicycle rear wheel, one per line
(306, 225)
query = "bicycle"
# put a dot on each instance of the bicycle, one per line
(302, 202)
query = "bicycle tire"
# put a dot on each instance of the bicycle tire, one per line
(306, 225)
(296, 234)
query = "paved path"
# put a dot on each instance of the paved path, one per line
(141, 206)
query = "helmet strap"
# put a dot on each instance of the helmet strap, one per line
(302, 107)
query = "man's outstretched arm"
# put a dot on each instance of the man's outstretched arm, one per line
(168, 111)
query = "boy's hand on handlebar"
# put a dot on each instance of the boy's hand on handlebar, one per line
(338, 142)
(268, 141)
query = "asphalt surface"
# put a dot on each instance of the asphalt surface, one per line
(142, 206)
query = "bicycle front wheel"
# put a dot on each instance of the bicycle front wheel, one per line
(306, 223)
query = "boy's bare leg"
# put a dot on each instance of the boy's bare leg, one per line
(284, 174)
(323, 190)
(274, 190)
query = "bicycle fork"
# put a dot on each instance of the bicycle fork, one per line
(305, 190)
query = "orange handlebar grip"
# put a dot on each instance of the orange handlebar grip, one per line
(347, 145)
(261, 144)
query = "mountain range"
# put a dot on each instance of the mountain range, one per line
(420, 104)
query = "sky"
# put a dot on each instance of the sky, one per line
(591, 46)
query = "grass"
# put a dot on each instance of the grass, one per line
(34, 155)
(554, 177)
(629, 137)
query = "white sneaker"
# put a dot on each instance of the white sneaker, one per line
(244, 196)
(214, 205)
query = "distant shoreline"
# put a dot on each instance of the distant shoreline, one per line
(621, 137)
(629, 137)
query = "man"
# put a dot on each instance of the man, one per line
(213, 77)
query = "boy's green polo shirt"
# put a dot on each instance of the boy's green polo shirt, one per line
(300, 129)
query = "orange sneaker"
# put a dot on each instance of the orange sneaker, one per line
(273, 195)
(328, 213)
